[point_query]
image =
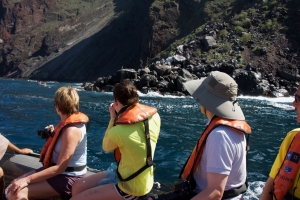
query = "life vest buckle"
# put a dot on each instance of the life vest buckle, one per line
(149, 161)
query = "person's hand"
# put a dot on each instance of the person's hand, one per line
(51, 127)
(18, 185)
(112, 111)
(25, 151)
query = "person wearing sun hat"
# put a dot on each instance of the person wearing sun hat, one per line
(217, 165)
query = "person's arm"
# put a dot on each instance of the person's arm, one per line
(14, 148)
(215, 187)
(108, 144)
(267, 191)
(70, 138)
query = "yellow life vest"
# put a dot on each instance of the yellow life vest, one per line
(286, 175)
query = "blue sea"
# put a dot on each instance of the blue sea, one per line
(26, 107)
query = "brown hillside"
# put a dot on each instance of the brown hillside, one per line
(81, 40)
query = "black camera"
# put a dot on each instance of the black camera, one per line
(44, 133)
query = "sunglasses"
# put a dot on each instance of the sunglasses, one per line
(297, 98)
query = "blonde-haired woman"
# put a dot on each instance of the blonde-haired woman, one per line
(63, 155)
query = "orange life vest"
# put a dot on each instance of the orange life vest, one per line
(194, 159)
(46, 154)
(286, 175)
(133, 114)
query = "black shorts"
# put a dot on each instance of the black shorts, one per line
(125, 195)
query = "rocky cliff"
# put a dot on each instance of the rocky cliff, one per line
(70, 40)
(81, 40)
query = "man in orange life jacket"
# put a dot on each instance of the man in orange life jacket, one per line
(218, 161)
(283, 181)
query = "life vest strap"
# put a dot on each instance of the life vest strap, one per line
(234, 192)
(73, 169)
(149, 161)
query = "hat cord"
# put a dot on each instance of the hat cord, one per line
(233, 108)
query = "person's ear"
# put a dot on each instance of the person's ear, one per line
(116, 102)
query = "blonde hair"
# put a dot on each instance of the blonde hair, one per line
(67, 100)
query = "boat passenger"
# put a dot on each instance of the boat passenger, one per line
(6, 144)
(283, 181)
(132, 133)
(63, 155)
(216, 168)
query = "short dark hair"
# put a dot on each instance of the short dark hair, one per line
(126, 93)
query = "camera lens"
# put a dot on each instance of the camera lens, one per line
(44, 133)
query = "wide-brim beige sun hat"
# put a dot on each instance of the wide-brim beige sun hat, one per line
(217, 93)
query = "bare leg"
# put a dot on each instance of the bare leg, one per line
(87, 182)
(39, 190)
(103, 192)
(2, 182)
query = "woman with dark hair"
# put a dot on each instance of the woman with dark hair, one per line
(63, 155)
(132, 134)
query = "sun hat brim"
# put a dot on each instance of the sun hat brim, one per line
(215, 104)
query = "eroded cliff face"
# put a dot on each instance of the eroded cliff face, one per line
(35, 32)
(81, 40)
(84, 39)
(18, 20)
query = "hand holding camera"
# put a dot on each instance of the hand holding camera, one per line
(46, 132)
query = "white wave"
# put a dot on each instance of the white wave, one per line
(277, 99)
(156, 94)
(254, 190)
(78, 84)
(283, 106)
(149, 94)
(260, 98)
(284, 103)
(79, 89)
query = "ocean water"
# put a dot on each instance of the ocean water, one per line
(26, 107)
